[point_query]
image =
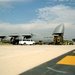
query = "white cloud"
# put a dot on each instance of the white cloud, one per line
(5, 4)
(49, 17)
(4, 0)
(15, 27)
(15, 0)
(57, 14)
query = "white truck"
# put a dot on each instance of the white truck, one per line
(26, 42)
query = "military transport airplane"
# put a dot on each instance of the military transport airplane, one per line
(38, 38)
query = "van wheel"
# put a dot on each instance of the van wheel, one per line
(33, 43)
(24, 43)
(40, 42)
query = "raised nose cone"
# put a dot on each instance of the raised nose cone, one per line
(59, 29)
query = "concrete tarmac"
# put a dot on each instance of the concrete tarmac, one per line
(52, 67)
(19, 60)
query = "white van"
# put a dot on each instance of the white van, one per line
(27, 42)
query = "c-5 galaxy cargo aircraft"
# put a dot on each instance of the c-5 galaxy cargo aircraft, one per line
(58, 33)
(38, 38)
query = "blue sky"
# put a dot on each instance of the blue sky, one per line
(37, 16)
